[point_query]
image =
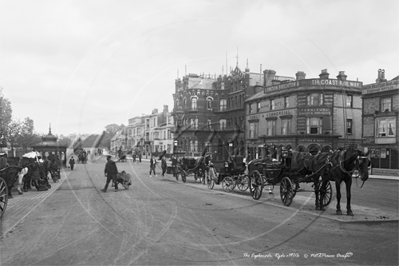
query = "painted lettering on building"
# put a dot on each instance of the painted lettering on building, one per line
(383, 86)
(314, 111)
(335, 82)
(278, 113)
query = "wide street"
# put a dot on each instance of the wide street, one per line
(161, 221)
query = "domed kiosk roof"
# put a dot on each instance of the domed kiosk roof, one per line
(49, 140)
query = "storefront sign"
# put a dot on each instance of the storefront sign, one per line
(383, 86)
(314, 82)
(313, 140)
(282, 86)
(335, 82)
(277, 113)
(314, 111)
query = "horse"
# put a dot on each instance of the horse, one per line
(339, 166)
(36, 174)
(12, 174)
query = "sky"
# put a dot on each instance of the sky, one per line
(82, 65)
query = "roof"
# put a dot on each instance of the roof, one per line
(256, 96)
(200, 83)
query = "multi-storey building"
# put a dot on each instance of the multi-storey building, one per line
(135, 131)
(211, 112)
(152, 134)
(118, 141)
(380, 120)
(303, 114)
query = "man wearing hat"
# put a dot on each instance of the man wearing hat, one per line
(110, 172)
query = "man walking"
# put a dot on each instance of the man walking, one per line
(72, 162)
(152, 165)
(110, 172)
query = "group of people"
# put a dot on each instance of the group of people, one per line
(153, 163)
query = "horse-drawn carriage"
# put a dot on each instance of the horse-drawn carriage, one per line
(232, 174)
(339, 166)
(190, 165)
(82, 157)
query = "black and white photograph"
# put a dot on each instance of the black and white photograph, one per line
(199, 132)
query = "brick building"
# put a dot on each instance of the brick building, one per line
(380, 120)
(205, 105)
(303, 114)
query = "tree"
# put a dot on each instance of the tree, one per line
(27, 137)
(13, 133)
(112, 128)
(5, 115)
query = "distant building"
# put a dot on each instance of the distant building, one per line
(152, 133)
(380, 124)
(307, 115)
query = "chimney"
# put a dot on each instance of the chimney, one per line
(300, 75)
(341, 75)
(268, 76)
(381, 76)
(155, 111)
(165, 108)
(324, 74)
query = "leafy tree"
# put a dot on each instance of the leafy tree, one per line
(13, 133)
(5, 114)
(112, 128)
(27, 137)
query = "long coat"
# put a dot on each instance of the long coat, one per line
(110, 168)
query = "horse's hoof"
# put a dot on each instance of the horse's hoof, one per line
(339, 212)
(350, 213)
(10, 196)
(20, 193)
(317, 208)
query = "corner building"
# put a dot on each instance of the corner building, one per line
(307, 115)
(380, 124)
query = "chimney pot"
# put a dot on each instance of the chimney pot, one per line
(341, 75)
(300, 75)
(324, 74)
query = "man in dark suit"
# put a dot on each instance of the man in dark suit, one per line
(110, 172)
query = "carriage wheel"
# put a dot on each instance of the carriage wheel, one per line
(325, 190)
(255, 184)
(210, 179)
(286, 191)
(242, 182)
(3, 196)
(228, 184)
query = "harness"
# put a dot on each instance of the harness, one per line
(350, 173)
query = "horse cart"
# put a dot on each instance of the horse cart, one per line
(190, 165)
(288, 172)
(232, 174)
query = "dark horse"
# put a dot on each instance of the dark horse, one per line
(36, 174)
(339, 166)
(11, 174)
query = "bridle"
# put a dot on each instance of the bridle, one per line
(355, 168)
